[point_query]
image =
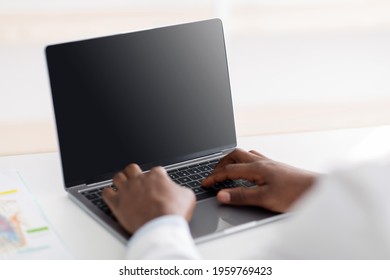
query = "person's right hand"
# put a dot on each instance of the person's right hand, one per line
(278, 185)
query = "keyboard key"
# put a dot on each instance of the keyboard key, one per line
(194, 184)
(183, 173)
(218, 186)
(194, 170)
(230, 183)
(87, 192)
(205, 168)
(98, 202)
(184, 180)
(206, 194)
(183, 168)
(198, 190)
(91, 196)
(195, 177)
(173, 176)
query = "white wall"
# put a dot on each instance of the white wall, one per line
(295, 65)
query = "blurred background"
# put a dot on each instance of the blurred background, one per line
(295, 65)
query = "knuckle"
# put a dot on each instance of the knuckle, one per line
(259, 164)
(131, 167)
(117, 177)
(255, 154)
(227, 168)
(158, 170)
(157, 173)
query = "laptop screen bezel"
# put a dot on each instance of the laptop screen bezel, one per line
(145, 166)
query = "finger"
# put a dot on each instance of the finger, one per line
(119, 180)
(241, 196)
(247, 171)
(228, 159)
(158, 170)
(132, 170)
(110, 197)
(228, 172)
(232, 157)
(256, 153)
(237, 156)
(157, 175)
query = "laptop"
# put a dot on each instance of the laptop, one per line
(153, 97)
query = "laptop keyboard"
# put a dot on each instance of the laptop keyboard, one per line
(190, 177)
(193, 175)
(95, 196)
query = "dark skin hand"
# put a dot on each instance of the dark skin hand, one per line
(141, 197)
(278, 185)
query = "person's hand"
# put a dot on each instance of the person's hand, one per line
(278, 185)
(140, 197)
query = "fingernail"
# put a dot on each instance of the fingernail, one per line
(224, 197)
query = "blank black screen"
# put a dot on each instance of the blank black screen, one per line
(151, 97)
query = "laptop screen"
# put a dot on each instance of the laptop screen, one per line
(152, 97)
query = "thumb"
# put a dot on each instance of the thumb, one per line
(241, 196)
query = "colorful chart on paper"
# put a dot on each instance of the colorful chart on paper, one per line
(25, 233)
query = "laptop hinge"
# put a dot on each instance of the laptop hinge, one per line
(93, 185)
(75, 187)
(188, 162)
(79, 186)
(98, 184)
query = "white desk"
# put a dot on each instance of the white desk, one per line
(86, 239)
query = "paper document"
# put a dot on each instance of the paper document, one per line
(25, 233)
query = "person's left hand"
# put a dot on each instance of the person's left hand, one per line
(141, 197)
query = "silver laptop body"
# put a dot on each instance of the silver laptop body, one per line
(154, 97)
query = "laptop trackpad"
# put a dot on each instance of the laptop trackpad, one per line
(211, 217)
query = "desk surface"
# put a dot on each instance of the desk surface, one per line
(86, 239)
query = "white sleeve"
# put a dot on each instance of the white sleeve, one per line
(167, 237)
(346, 216)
